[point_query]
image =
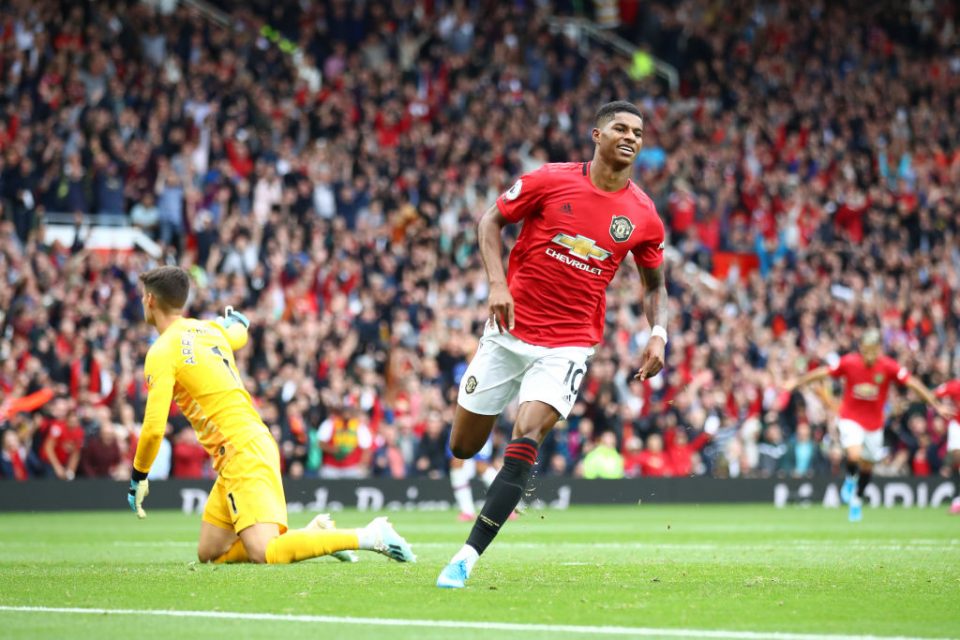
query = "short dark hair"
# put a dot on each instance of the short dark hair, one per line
(170, 285)
(606, 112)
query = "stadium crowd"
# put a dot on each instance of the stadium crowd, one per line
(330, 191)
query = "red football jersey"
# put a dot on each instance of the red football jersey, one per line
(573, 239)
(950, 390)
(66, 440)
(865, 388)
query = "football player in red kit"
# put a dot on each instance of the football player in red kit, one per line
(580, 220)
(867, 376)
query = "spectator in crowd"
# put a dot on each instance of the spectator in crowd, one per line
(683, 453)
(145, 214)
(920, 450)
(803, 457)
(772, 451)
(12, 457)
(109, 188)
(432, 449)
(604, 461)
(653, 461)
(62, 446)
(388, 458)
(346, 442)
(170, 203)
(632, 460)
(101, 456)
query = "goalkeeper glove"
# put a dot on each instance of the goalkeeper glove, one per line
(231, 317)
(139, 489)
(233, 325)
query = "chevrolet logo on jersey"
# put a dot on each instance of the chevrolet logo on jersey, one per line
(866, 391)
(581, 247)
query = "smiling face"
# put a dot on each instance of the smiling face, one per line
(619, 139)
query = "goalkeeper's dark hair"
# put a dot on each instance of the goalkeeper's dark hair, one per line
(169, 285)
(606, 112)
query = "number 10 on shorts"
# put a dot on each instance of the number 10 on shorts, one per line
(574, 376)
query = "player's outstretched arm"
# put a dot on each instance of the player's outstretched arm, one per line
(655, 308)
(927, 395)
(491, 251)
(811, 376)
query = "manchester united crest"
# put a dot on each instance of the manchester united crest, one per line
(620, 228)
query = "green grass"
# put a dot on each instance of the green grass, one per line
(732, 568)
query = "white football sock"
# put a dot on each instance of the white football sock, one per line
(488, 476)
(366, 539)
(462, 492)
(469, 554)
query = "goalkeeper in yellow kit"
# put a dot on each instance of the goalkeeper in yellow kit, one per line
(245, 519)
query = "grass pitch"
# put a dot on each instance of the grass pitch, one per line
(650, 571)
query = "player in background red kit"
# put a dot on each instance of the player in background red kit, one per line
(867, 376)
(580, 220)
(950, 391)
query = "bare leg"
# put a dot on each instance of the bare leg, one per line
(535, 419)
(216, 542)
(470, 432)
(257, 537)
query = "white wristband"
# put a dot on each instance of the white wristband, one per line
(659, 332)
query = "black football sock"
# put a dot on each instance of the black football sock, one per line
(853, 469)
(504, 493)
(863, 481)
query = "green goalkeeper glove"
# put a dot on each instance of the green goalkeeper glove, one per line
(139, 489)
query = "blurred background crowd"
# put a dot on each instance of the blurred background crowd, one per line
(321, 166)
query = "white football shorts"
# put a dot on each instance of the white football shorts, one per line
(853, 435)
(505, 366)
(953, 436)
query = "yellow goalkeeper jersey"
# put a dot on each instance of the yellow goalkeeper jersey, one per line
(192, 364)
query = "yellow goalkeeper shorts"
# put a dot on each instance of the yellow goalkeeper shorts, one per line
(248, 489)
